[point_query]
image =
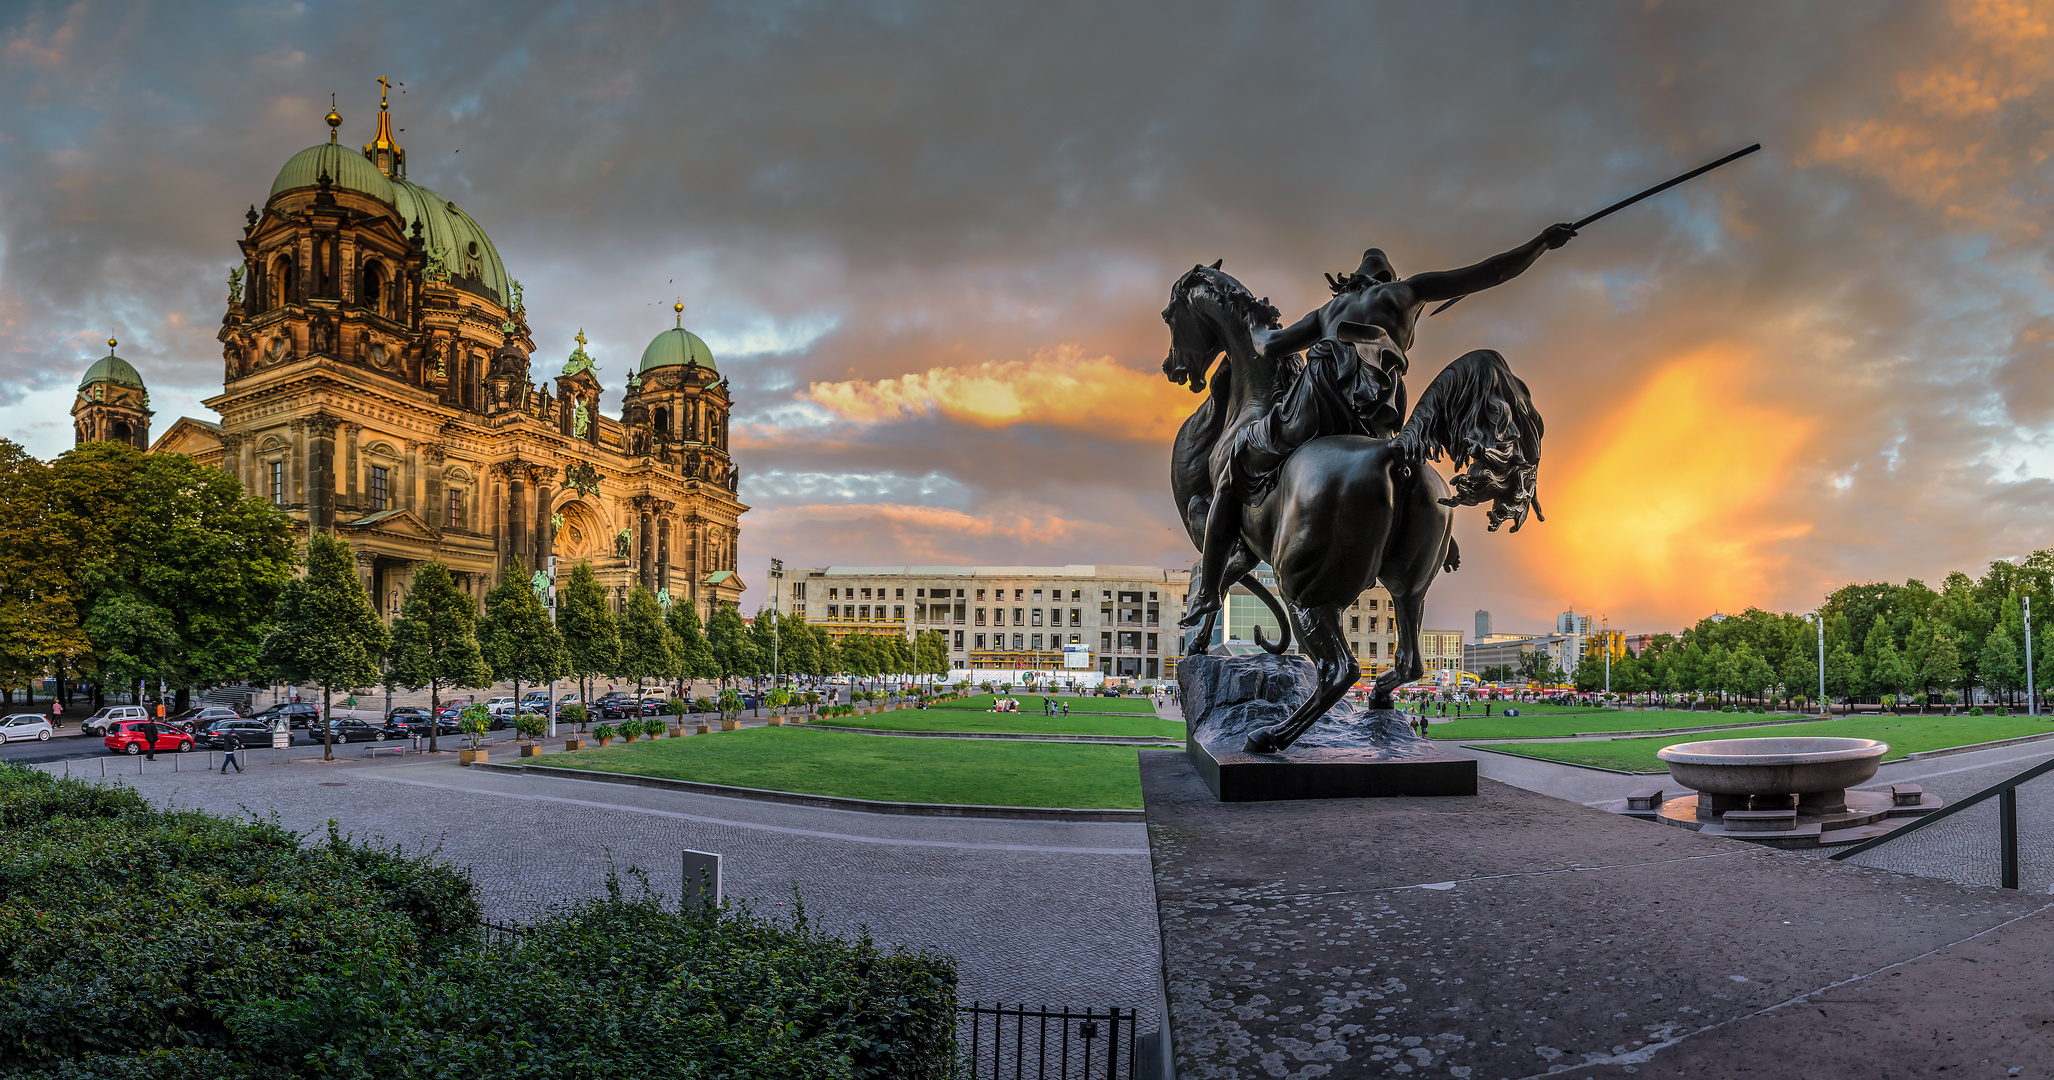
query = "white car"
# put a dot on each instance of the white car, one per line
(24, 726)
(499, 706)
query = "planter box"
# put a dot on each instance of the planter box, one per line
(777, 721)
(530, 750)
(677, 733)
(471, 757)
(574, 744)
(704, 729)
(730, 725)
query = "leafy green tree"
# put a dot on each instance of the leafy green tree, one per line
(827, 657)
(435, 640)
(729, 640)
(859, 655)
(767, 643)
(1800, 674)
(1751, 675)
(324, 631)
(645, 643)
(1943, 661)
(1841, 671)
(519, 643)
(590, 633)
(2003, 661)
(695, 656)
(798, 645)
(931, 653)
(39, 611)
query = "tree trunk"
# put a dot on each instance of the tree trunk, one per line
(327, 724)
(434, 713)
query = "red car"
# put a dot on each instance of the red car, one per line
(127, 738)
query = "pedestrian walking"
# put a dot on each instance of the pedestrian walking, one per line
(230, 746)
(150, 731)
(56, 713)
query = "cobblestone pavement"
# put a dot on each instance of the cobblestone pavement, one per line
(1039, 912)
(1962, 848)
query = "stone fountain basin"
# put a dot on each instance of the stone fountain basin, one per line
(1773, 766)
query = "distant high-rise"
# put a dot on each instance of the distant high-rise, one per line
(1569, 622)
(1483, 624)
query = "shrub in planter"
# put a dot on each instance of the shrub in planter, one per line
(1975, 710)
(677, 707)
(531, 726)
(653, 727)
(604, 733)
(573, 714)
(356, 961)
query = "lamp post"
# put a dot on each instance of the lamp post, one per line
(1820, 619)
(549, 601)
(777, 582)
(2032, 692)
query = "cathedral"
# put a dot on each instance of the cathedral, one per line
(377, 384)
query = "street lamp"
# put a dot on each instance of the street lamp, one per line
(777, 581)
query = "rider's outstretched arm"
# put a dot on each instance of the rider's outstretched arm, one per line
(1439, 285)
(1297, 337)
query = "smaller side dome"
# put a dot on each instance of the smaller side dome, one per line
(349, 171)
(112, 369)
(673, 348)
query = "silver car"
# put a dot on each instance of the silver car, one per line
(25, 726)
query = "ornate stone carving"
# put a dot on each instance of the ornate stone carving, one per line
(582, 478)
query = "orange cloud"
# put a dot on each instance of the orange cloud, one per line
(1061, 387)
(1951, 141)
(1663, 509)
(918, 534)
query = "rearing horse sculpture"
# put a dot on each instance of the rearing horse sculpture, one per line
(1344, 510)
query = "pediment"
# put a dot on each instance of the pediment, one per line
(400, 523)
(188, 436)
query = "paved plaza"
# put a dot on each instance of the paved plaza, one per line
(1035, 911)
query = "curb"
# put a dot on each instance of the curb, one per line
(1947, 751)
(1110, 740)
(1708, 727)
(1569, 764)
(827, 802)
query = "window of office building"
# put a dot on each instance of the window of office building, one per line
(897, 594)
(381, 487)
(1018, 644)
(1018, 594)
(278, 483)
(1037, 616)
(1105, 640)
(834, 593)
(1354, 624)
(959, 641)
(456, 509)
(980, 594)
(1076, 595)
(1019, 616)
(864, 612)
(1372, 648)
(898, 611)
(980, 641)
(1151, 643)
(1076, 616)
(919, 593)
(866, 594)
(1107, 594)
(980, 616)
(1037, 643)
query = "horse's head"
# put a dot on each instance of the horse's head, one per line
(1205, 305)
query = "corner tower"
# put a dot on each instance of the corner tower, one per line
(113, 404)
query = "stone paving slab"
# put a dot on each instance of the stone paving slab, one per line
(1516, 935)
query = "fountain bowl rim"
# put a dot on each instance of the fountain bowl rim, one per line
(1735, 751)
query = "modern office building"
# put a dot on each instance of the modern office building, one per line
(1441, 649)
(1569, 622)
(1564, 649)
(1483, 624)
(1120, 621)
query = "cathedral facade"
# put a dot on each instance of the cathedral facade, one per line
(377, 383)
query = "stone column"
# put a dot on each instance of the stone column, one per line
(249, 466)
(321, 471)
(516, 476)
(663, 528)
(298, 494)
(435, 510)
(545, 499)
(349, 467)
(412, 499)
(365, 572)
(645, 541)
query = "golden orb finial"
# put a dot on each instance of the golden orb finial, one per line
(679, 307)
(110, 345)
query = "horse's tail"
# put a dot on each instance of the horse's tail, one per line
(1481, 415)
(1277, 609)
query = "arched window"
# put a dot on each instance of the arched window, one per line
(372, 294)
(281, 281)
(663, 419)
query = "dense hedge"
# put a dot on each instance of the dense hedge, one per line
(141, 942)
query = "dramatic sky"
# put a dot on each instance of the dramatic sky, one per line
(930, 242)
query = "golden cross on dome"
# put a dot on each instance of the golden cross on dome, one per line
(581, 337)
(384, 87)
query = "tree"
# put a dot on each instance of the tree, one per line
(519, 643)
(39, 613)
(645, 643)
(435, 641)
(1943, 661)
(2003, 661)
(324, 630)
(931, 653)
(798, 645)
(1840, 671)
(729, 640)
(590, 634)
(827, 656)
(695, 657)
(767, 644)
(859, 656)
(1800, 674)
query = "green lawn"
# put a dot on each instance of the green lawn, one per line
(1031, 703)
(1028, 722)
(1906, 735)
(1555, 724)
(981, 772)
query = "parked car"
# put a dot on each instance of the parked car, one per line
(406, 715)
(350, 729)
(416, 725)
(102, 722)
(296, 714)
(126, 737)
(25, 726)
(199, 716)
(500, 706)
(252, 733)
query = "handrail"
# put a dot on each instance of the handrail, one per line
(2007, 822)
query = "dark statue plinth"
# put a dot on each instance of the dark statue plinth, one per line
(1352, 753)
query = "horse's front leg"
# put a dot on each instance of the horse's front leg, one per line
(1319, 634)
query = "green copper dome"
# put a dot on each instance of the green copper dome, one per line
(347, 168)
(671, 349)
(451, 236)
(112, 369)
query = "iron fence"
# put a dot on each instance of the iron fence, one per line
(1000, 1042)
(2006, 794)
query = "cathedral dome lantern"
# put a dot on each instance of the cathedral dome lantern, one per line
(113, 404)
(677, 347)
(382, 151)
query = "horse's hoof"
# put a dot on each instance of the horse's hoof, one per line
(1262, 742)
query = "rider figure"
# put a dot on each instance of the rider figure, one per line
(1339, 390)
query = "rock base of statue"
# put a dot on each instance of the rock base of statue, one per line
(1350, 753)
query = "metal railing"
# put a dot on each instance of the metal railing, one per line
(2006, 793)
(1019, 1043)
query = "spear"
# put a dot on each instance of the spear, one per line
(1626, 202)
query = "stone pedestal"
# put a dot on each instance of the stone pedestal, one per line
(1349, 753)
